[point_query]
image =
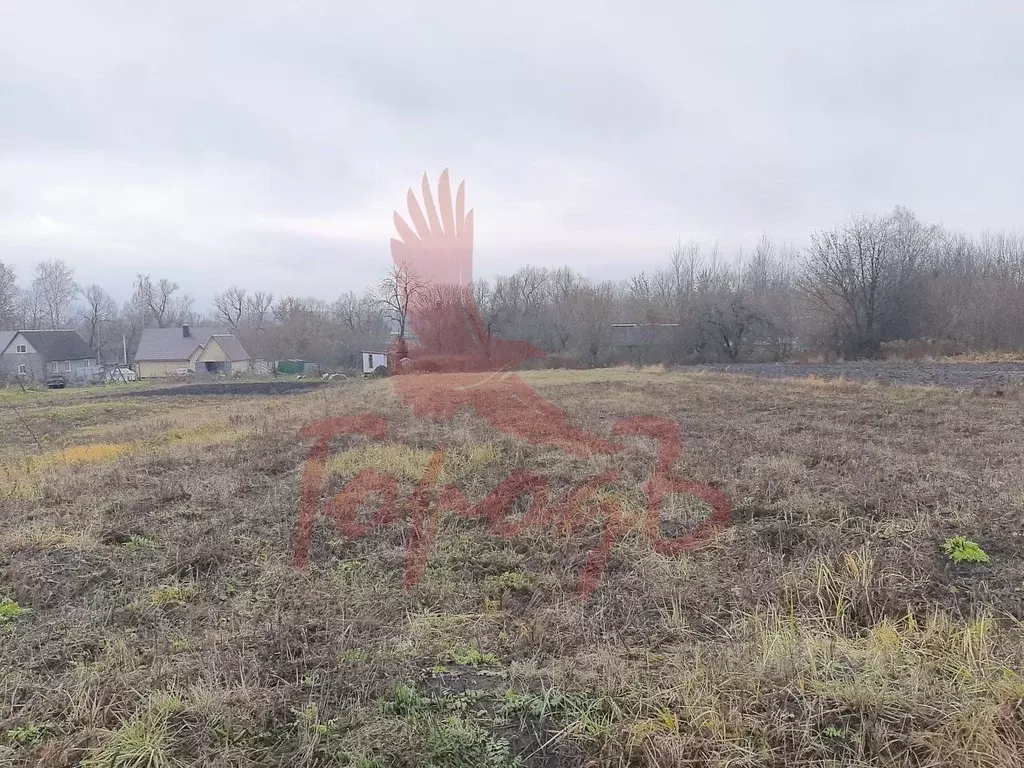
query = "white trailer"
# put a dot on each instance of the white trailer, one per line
(373, 360)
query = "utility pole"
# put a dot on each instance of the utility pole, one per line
(124, 342)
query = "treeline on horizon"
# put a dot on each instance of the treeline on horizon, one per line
(863, 289)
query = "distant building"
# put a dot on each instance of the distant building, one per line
(164, 351)
(394, 330)
(639, 341)
(373, 360)
(35, 355)
(298, 367)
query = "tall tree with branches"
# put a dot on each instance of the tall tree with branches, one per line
(9, 305)
(97, 318)
(55, 290)
(158, 303)
(398, 294)
(229, 307)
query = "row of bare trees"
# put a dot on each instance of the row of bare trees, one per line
(892, 279)
(865, 288)
(855, 290)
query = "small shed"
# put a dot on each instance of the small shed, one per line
(296, 366)
(639, 338)
(373, 360)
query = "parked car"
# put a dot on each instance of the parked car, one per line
(184, 372)
(56, 381)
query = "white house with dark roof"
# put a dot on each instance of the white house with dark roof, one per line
(34, 355)
(163, 351)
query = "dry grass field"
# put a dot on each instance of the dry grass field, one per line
(151, 614)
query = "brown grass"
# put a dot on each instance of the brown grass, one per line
(168, 627)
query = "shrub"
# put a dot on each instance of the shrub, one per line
(25, 735)
(963, 550)
(474, 657)
(10, 610)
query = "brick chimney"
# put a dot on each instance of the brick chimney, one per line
(185, 331)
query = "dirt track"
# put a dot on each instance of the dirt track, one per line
(227, 388)
(952, 375)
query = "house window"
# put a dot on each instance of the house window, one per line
(22, 370)
(67, 366)
(22, 348)
(55, 366)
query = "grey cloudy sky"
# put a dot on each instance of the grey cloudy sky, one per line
(266, 143)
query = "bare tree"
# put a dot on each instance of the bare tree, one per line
(360, 325)
(133, 321)
(845, 277)
(398, 294)
(158, 304)
(490, 312)
(522, 300)
(9, 304)
(97, 319)
(230, 306)
(595, 307)
(303, 329)
(733, 321)
(913, 250)
(257, 305)
(256, 311)
(55, 289)
(767, 284)
(868, 278)
(564, 289)
(439, 319)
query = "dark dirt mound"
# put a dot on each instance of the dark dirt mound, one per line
(226, 388)
(953, 375)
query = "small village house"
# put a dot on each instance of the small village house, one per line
(35, 355)
(164, 351)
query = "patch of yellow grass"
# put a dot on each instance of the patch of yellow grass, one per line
(207, 434)
(14, 488)
(88, 454)
(20, 475)
(47, 536)
(172, 595)
(409, 464)
(393, 458)
(949, 651)
(461, 462)
(936, 663)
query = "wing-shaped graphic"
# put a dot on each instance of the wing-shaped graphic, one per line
(436, 251)
(438, 246)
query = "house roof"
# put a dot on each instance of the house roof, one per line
(641, 334)
(58, 345)
(172, 344)
(232, 347)
(410, 334)
(6, 337)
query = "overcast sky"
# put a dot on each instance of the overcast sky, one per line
(266, 142)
